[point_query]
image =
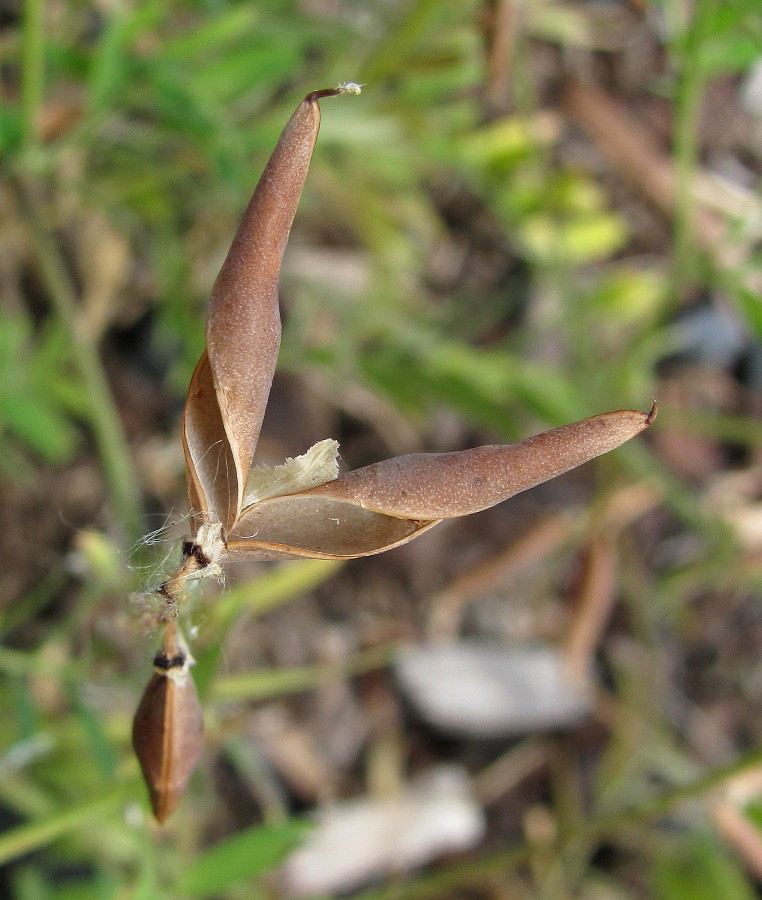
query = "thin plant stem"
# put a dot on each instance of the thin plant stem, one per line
(25, 838)
(499, 864)
(581, 845)
(22, 662)
(269, 683)
(662, 803)
(390, 54)
(104, 420)
(32, 69)
(688, 109)
(480, 870)
(270, 590)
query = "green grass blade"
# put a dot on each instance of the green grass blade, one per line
(244, 855)
(21, 840)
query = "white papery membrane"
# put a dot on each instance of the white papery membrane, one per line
(317, 466)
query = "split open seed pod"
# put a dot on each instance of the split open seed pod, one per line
(304, 508)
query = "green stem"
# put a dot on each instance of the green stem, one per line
(21, 840)
(721, 426)
(269, 590)
(104, 420)
(496, 865)
(390, 55)
(485, 869)
(32, 68)
(269, 683)
(661, 804)
(582, 845)
(24, 663)
(689, 97)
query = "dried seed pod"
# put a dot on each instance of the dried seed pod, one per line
(386, 504)
(168, 729)
(303, 508)
(229, 389)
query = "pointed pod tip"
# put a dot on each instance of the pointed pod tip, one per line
(346, 87)
(651, 414)
(164, 802)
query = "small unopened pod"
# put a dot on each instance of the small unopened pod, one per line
(168, 731)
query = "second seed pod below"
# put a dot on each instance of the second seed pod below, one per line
(168, 731)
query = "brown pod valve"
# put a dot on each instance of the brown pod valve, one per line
(168, 729)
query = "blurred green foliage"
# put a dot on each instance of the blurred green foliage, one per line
(699, 869)
(41, 397)
(243, 856)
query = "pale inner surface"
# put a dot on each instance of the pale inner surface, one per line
(322, 525)
(208, 453)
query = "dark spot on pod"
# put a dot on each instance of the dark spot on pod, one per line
(192, 549)
(165, 663)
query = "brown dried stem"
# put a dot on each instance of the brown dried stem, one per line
(172, 590)
(633, 149)
(595, 598)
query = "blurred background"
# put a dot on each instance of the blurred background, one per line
(536, 211)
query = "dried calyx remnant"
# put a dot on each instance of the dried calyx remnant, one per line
(304, 507)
